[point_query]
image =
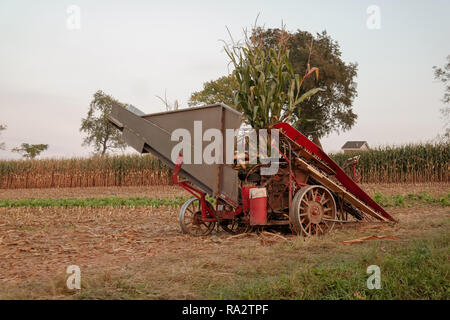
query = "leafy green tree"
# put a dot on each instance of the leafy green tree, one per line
(101, 134)
(30, 151)
(321, 114)
(443, 75)
(2, 144)
(220, 90)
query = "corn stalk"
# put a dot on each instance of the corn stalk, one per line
(269, 91)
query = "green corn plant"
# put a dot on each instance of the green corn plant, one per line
(268, 90)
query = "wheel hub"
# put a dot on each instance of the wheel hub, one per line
(315, 212)
(197, 218)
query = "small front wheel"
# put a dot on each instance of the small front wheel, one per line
(191, 221)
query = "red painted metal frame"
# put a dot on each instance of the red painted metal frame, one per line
(291, 179)
(290, 171)
(196, 193)
(293, 134)
(192, 190)
(356, 174)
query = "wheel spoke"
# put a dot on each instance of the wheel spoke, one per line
(321, 195)
(314, 203)
(303, 214)
(191, 219)
(318, 225)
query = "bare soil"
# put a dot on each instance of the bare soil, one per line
(38, 244)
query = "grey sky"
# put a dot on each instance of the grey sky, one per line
(135, 50)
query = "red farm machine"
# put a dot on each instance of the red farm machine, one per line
(309, 192)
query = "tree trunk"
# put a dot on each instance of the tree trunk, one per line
(315, 139)
(104, 148)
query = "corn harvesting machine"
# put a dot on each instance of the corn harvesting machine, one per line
(309, 193)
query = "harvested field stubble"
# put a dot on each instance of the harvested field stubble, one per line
(37, 241)
(141, 253)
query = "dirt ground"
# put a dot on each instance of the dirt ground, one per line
(39, 243)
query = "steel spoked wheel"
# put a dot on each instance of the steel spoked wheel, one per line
(191, 218)
(313, 209)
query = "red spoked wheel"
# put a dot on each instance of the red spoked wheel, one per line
(313, 211)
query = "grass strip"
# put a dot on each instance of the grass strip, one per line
(94, 202)
(410, 200)
(396, 200)
(416, 271)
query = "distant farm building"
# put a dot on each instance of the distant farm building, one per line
(352, 146)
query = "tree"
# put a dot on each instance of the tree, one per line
(323, 113)
(30, 151)
(444, 76)
(101, 134)
(2, 144)
(220, 90)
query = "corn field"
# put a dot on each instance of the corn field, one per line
(127, 170)
(403, 164)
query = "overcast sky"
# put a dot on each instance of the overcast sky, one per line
(135, 50)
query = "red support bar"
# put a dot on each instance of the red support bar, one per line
(186, 185)
(177, 168)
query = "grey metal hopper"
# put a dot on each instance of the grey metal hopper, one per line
(152, 134)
